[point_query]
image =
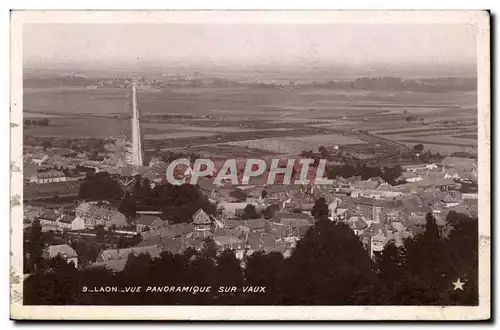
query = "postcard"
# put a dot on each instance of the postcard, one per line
(250, 165)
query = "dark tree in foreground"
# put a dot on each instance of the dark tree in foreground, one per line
(228, 275)
(328, 265)
(265, 270)
(57, 285)
(422, 271)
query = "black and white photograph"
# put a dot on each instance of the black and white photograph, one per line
(328, 160)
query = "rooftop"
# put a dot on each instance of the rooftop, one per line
(63, 250)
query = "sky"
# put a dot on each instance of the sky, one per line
(165, 44)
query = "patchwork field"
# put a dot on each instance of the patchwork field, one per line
(296, 144)
(246, 121)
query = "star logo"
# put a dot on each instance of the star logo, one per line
(458, 285)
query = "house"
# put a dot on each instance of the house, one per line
(148, 222)
(277, 191)
(94, 214)
(257, 225)
(292, 219)
(202, 224)
(225, 242)
(364, 185)
(469, 196)
(232, 210)
(452, 175)
(394, 215)
(377, 244)
(64, 251)
(208, 188)
(446, 184)
(233, 223)
(71, 222)
(179, 230)
(39, 158)
(415, 220)
(357, 224)
(114, 266)
(48, 177)
(122, 254)
(337, 213)
(448, 200)
(164, 243)
(260, 242)
(414, 204)
(415, 168)
(410, 176)
(49, 220)
(371, 209)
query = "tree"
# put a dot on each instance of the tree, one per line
(320, 209)
(100, 232)
(36, 244)
(56, 286)
(100, 187)
(324, 152)
(128, 206)
(410, 119)
(390, 262)
(209, 248)
(267, 270)
(239, 195)
(228, 274)
(269, 212)
(136, 239)
(250, 212)
(264, 194)
(137, 190)
(427, 267)
(418, 148)
(327, 267)
(46, 144)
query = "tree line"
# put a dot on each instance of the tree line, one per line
(329, 266)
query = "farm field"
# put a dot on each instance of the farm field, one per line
(246, 120)
(445, 149)
(176, 135)
(287, 145)
(34, 191)
(444, 140)
(73, 100)
(467, 136)
(230, 151)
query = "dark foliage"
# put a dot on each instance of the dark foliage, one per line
(388, 174)
(329, 266)
(100, 187)
(250, 212)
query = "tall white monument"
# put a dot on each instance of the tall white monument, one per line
(136, 130)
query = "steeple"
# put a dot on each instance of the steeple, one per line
(136, 130)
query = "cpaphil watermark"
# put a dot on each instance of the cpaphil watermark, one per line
(292, 171)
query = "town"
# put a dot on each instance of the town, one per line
(87, 206)
(263, 164)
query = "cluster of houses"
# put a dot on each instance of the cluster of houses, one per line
(84, 216)
(376, 211)
(57, 165)
(279, 233)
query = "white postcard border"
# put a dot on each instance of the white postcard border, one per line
(478, 18)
